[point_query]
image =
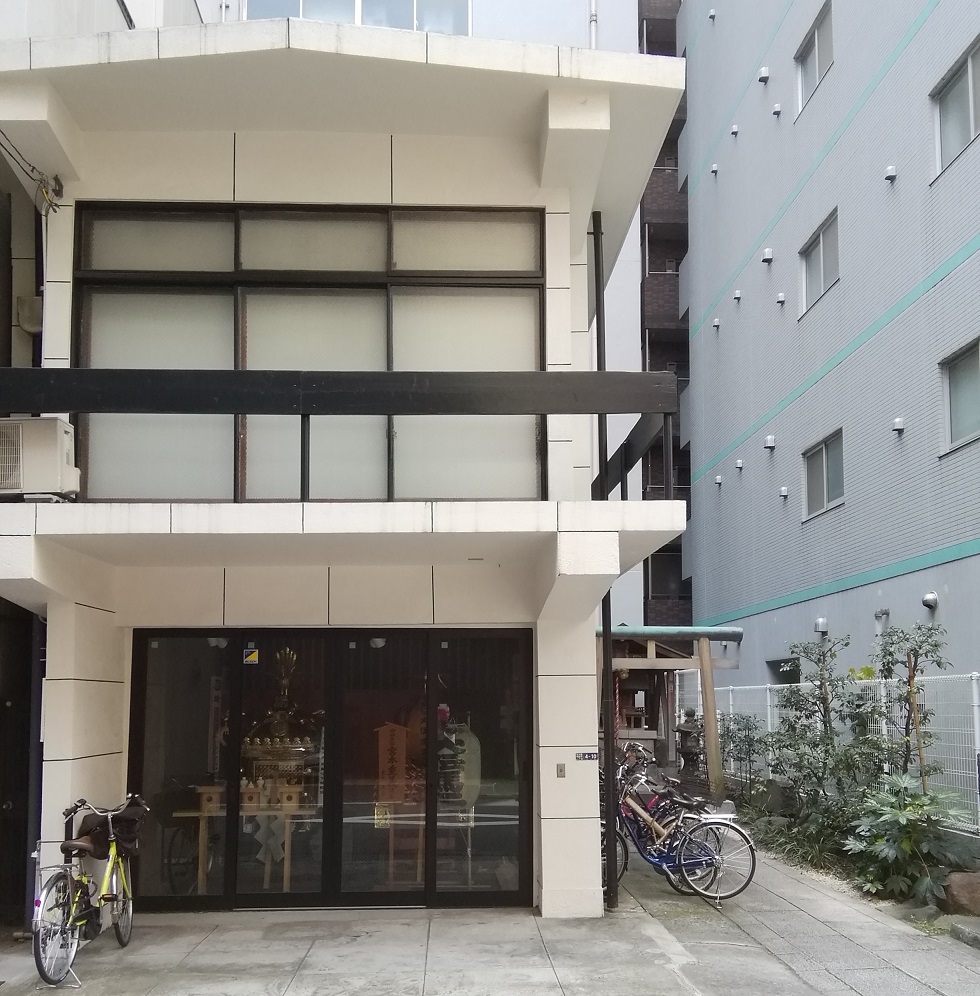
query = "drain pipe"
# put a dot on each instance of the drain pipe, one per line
(593, 23)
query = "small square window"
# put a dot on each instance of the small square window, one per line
(824, 469)
(821, 262)
(963, 387)
(815, 54)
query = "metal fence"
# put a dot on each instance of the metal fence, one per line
(954, 726)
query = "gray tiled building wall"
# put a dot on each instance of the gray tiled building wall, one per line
(870, 350)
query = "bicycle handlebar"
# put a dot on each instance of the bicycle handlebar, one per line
(81, 804)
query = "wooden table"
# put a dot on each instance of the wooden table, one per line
(288, 815)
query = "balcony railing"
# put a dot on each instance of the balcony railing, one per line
(661, 300)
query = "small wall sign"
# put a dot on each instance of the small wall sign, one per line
(587, 755)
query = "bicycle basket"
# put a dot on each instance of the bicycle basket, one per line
(97, 828)
(128, 826)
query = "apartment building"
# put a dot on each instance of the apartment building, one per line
(832, 172)
(315, 328)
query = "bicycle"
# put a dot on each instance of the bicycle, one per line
(65, 908)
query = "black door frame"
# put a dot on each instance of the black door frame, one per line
(331, 896)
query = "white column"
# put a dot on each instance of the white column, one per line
(85, 714)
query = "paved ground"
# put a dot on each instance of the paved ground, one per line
(787, 935)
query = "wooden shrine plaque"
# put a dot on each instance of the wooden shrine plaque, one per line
(392, 763)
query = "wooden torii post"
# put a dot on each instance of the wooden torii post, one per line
(702, 637)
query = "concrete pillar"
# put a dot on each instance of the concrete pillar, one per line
(569, 880)
(85, 714)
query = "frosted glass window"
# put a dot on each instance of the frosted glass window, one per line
(467, 240)
(821, 262)
(388, 13)
(162, 242)
(341, 11)
(273, 455)
(954, 118)
(815, 55)
(466, 457)
(465, 329)
(145, 330)
(825, 44)
(808, 71)
(316, 330)
(449, 17)
(349, 457)
(964, 396)
(272, 8)
(975, 76)
(835, 468)
(161, 457)
(831, 265)
(315, 242)
(825, 474)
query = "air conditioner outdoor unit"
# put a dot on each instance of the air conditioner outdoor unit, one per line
(37, 456)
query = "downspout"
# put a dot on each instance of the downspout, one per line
(593, 23)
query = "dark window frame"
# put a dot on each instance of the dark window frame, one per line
(237, 280)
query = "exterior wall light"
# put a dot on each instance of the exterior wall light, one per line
(784, 493)
(820, 626)
(738, 464)
(714, 168)
(777, 109)
(931, 601)
(711, 14)
(898, 425)
(734, 129)
(718, 480)
(891, 173)
(737, 296)
(767, 255)
(764, 75)
(770, 443)
(780, 299)
(716, 324)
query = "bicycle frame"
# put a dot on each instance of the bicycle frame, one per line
(664, 856)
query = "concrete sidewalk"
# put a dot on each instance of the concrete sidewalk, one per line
(788, 935)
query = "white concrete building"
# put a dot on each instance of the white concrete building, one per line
(315, 297)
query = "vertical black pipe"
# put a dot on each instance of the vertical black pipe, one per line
(608, 703)
(668, 457)
(304, 457)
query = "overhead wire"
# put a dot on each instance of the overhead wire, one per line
(44, 184)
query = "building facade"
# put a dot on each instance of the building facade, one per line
(327, 593)
(831, 166)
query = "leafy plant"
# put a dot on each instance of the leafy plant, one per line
(742, 748)
(906, 654)
(898, 844)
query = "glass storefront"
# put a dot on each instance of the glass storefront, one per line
(333, 768)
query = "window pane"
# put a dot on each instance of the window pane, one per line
(465, 329)
(808, 71)
(388, 13)
(466, 456)
(447, 16)
(467, 240)
(954, 118)
(316, 330)
(349, 457)
(814, 481)
(272, 457)
(976, 92)
(835, 468)
(272, 8)
(162, 457)
(159, 331)
(831, 265)
(964, 396)
(825, 45)
(315, 242)
(165, 242)
(341, 11)
(814, 283)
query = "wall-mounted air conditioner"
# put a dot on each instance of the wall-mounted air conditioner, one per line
(37, 456)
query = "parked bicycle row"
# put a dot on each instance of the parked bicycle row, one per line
(698, 851)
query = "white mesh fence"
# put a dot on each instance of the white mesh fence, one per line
(952, 735)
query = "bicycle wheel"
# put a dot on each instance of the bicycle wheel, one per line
(724, 848)
(181, 863)
(55, 938)
(673, 876)
(622, 854)
(121, 908)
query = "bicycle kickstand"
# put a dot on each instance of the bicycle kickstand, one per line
(77, 984)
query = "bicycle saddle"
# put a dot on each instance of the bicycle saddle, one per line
(83, 845)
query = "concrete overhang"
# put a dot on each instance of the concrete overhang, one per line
(578, 546)
(597, 118)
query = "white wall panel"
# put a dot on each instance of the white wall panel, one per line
(391, 596)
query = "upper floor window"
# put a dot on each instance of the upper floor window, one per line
(824, 466)
(821, 262)
(963, 389)
(815, 54)
(451, 17)
(959, 109)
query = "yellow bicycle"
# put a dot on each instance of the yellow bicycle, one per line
(66, 908)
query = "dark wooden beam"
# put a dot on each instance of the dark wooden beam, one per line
(293, 392)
